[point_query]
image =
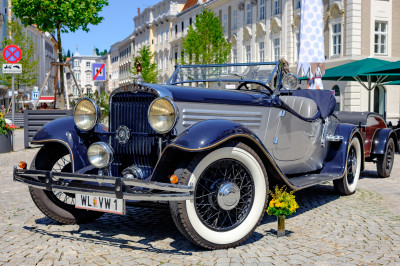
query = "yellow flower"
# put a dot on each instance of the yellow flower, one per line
(271, 203)
(1, 116)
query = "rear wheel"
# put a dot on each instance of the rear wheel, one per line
(385, 161)
(58, 205)
(229, 198)
(348, 184)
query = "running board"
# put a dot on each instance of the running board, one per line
(309, 180)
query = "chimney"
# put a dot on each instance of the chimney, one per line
(138, 11)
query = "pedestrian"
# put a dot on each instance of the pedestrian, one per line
(3, 109)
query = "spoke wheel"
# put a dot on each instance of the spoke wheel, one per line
(385, 161)
(224, 194)
(58, 205)
(230, 196)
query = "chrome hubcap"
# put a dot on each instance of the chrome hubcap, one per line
(228, 196)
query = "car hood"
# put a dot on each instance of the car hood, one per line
(203, 95)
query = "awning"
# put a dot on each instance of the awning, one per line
(43, 99)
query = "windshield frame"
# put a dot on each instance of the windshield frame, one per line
(173, 79)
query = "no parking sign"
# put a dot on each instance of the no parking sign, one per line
(12, 54)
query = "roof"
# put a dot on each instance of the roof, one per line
(190, 3)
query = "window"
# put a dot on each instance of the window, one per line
(337, 97)
(248, 14)
(248, 53)
(234, 58)
(262, 9)
(77, 63)
(277, 49)
(297, 4)
(336, 38)
(161, 63)
(261, 51)
(297, 41)
(87, 64)
(380, 38)
(276, 8)
(190, 21)
(235, 19)
(183, 26)
(176, 29)
(166, 36)
(166, 62)
(225, 23)
(88, 76)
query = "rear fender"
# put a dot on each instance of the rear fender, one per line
(208, 135)
(381, 137)
(337, 158)
(65, 132)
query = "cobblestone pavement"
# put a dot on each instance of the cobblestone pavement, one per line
(327, 230)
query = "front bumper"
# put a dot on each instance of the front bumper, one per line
(107, 186)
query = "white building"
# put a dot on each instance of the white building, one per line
(267, 30)
(153, 27)
(83, 72)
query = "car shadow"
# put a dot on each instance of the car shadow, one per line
(153, 230)
(369, 174)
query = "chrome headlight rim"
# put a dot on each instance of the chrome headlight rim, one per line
(109, 151)
(176, 112)
(286, 76)
(97, 112)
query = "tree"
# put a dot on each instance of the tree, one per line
(205, 42)
(149, 69)
(61, 15)
(18, 37)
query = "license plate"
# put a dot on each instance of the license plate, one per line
(98, 203)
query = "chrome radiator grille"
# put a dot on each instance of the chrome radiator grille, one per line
(130, 109)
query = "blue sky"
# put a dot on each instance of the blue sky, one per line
(116, 26)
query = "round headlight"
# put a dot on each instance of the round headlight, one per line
(86, 114)
(100, 154)
(290, 81)
(162, 115)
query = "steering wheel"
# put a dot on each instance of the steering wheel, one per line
(244, 84)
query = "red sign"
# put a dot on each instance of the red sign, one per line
(12, 54)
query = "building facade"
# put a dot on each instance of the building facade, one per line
(267, 30)
(82, 70)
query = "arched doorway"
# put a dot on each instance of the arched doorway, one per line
(380, 100)
(337, 97)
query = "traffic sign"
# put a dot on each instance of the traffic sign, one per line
(35, 95)
(12, 68)
(99, 72)
(12, 54)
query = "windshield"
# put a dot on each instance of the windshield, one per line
(238, 72)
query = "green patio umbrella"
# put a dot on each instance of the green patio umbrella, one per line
(361, 71)
(392, 68)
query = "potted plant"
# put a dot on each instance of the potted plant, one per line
(282, 204)
(6, 129)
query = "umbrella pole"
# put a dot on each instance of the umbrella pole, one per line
(369, 93)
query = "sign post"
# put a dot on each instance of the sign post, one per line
(12, 54)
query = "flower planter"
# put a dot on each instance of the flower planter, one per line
(5, 142)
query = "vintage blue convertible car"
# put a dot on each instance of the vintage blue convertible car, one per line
(211, 143)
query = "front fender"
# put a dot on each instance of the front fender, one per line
(381, 137)
(207, 135)
(64, 131)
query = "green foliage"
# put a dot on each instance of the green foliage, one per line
(104, 52)
(19, 38)
(61, 15)
(282, 202)
(205, 42)
(68, 15)
(149, 69)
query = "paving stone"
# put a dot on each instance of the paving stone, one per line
(360, 229)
